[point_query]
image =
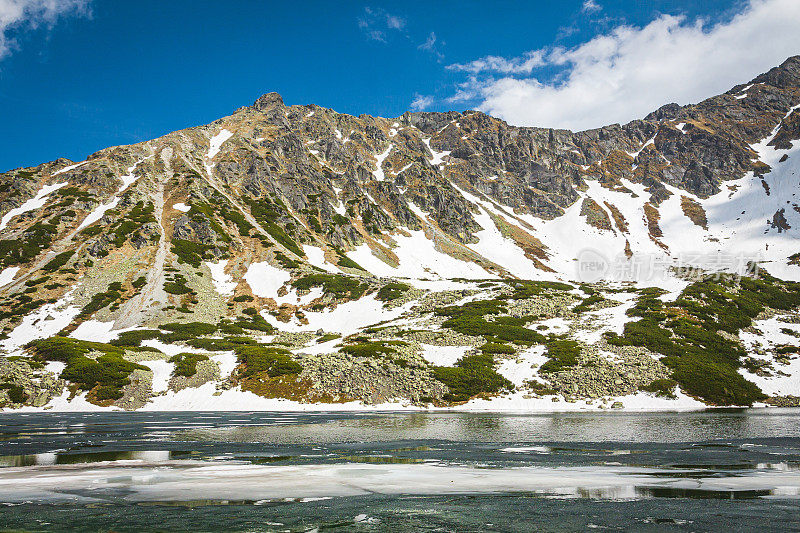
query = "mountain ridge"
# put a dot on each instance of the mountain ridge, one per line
(276, 218)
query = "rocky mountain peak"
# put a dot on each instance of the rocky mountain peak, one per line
(268, 101)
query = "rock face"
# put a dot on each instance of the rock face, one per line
(166, 231)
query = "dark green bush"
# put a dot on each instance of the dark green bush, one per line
(109, 372)
(392, 291)
(58, 261)
(183, 332)
(472, 375)
(270, 359)
(662, 387)
(186, 363)
(563, 354)
(135, 337)
(16, 394)
(493, 348)
(371, 348)
(192, 253)
(334, 284)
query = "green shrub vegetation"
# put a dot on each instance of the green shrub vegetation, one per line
(469, 319)
(495, 348)
(336, 285)
(343, 260)
(587, 303)
(186, 363)
(135, 337)
(37, 237)
(177, 285)
(183, 332)
(563, 354)
(267, 213)
(662, 387)
(201, 211)
(106, 374)
(259, 358)
(192, 253)
(58, 261)
(705, 363)
(528, 289)
(392, 291)
(216, 345)
(373, 349)
(16, 394)
(102, 299)
(286, 262)
(472, 375)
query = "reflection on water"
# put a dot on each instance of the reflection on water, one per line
(50, 458)
(415, 471)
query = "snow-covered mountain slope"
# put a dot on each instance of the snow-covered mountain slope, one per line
(295, 257)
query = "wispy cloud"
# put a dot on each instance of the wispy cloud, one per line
(590, 6)
(421, 102)
(629, 71)
(21, 15)
(502, 65)
(432, 45)
(377, 23)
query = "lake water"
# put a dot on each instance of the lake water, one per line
(721, 470)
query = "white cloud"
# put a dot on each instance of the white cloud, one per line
(420, 102)
(590, 6)
(17, 15)
(515, 65)
(630, 71)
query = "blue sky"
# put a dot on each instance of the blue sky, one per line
(85, 74)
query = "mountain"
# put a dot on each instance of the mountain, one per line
(293, 257)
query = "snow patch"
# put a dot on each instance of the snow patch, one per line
(7, 275)
(36, 202)
(443, 355)
(316, 257)
(216, 142)
(162, 370)
(378, 173)
(223, 283)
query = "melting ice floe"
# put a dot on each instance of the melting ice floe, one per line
(196, 480)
